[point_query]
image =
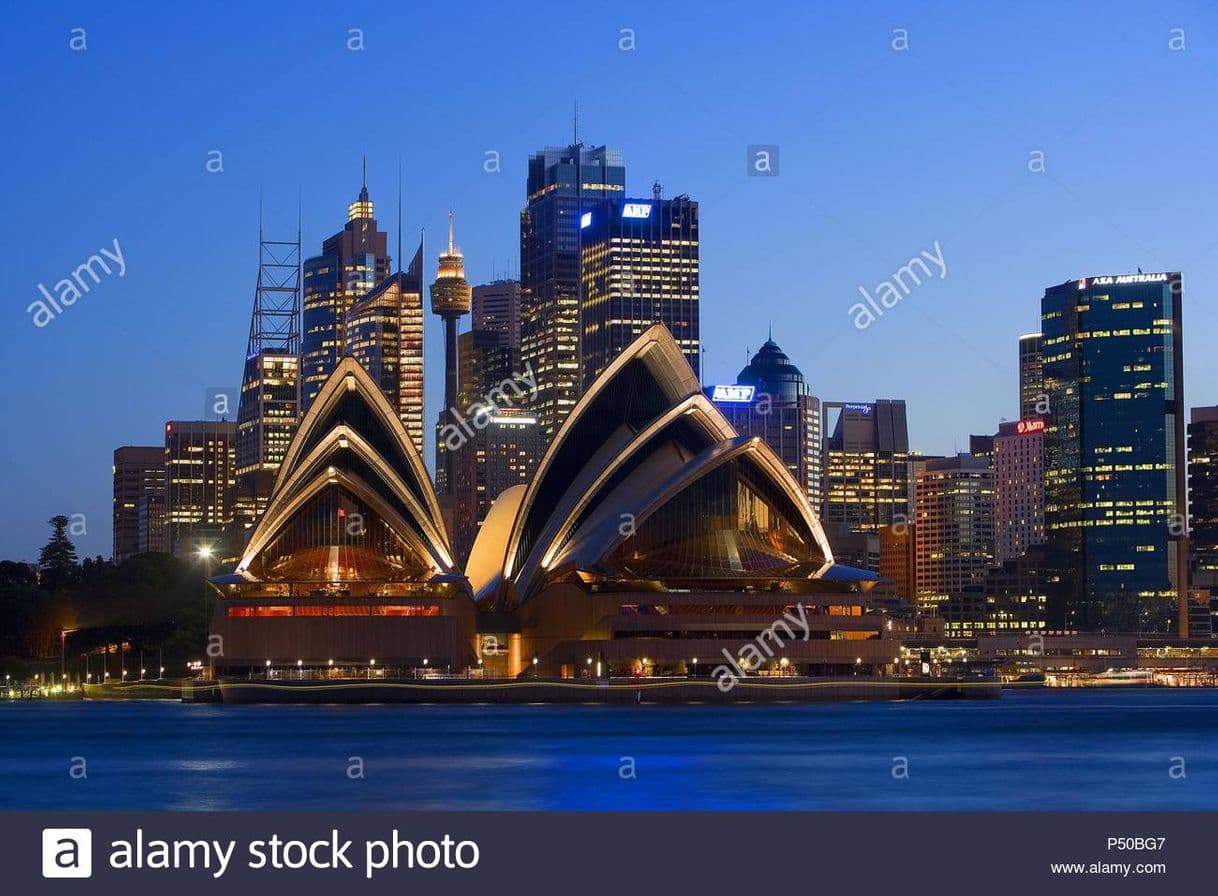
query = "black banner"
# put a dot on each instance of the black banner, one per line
(594, 853)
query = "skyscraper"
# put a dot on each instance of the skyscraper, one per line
(270, 382)
(898, 561)
(771, 399)
(1114, 469)
(351, 263)
(1031, 378)
(384, 332)
(640, 267)
(955, 527)
(139, 471)
(866, 465)
(916, 464)
(1019, 488)
(1203, 521)
(503, 442)
(563, 184)
(1203, 482)
(451, 297)
(502, 451)
(154, 530)
(495, 308)
(200, 483)
(485, 361)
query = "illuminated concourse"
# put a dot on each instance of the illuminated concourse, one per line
(652, 540)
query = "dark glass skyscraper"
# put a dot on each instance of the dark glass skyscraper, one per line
(496, 308)
(1203, 521)
(1114, 471)
(1203, 482)
(351, 262)
(1031, 379)
(564, 182)
(640, 267)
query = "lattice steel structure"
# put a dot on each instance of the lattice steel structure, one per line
(270, 386)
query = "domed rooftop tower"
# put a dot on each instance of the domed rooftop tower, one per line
(772, 372)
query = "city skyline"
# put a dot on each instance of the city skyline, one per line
(120, 364)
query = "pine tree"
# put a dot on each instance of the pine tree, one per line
(57, 562)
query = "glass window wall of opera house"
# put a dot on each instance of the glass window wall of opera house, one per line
(651, 535)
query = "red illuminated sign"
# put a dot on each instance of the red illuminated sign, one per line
(1023, 427)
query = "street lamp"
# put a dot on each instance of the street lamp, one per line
(63, 642)
(205, 553)
(299, 670)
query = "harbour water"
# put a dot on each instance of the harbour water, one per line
(1057, 749)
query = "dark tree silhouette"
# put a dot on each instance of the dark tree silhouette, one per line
(57, 562)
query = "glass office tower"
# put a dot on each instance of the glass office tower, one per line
(640, 267)
(351, 263)
(564, 182)
(1031, 379)
(1114, 470)
(866, 465)
(384, 332)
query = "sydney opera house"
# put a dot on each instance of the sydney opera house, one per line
(651, 541)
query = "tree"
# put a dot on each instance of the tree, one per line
(57, 562)
(12, 572)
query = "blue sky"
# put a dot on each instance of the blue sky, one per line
(881, 154)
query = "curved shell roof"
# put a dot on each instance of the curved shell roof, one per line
(641, 435)
(352, 440)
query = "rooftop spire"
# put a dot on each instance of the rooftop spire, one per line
(361, 207)
(450, 231)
